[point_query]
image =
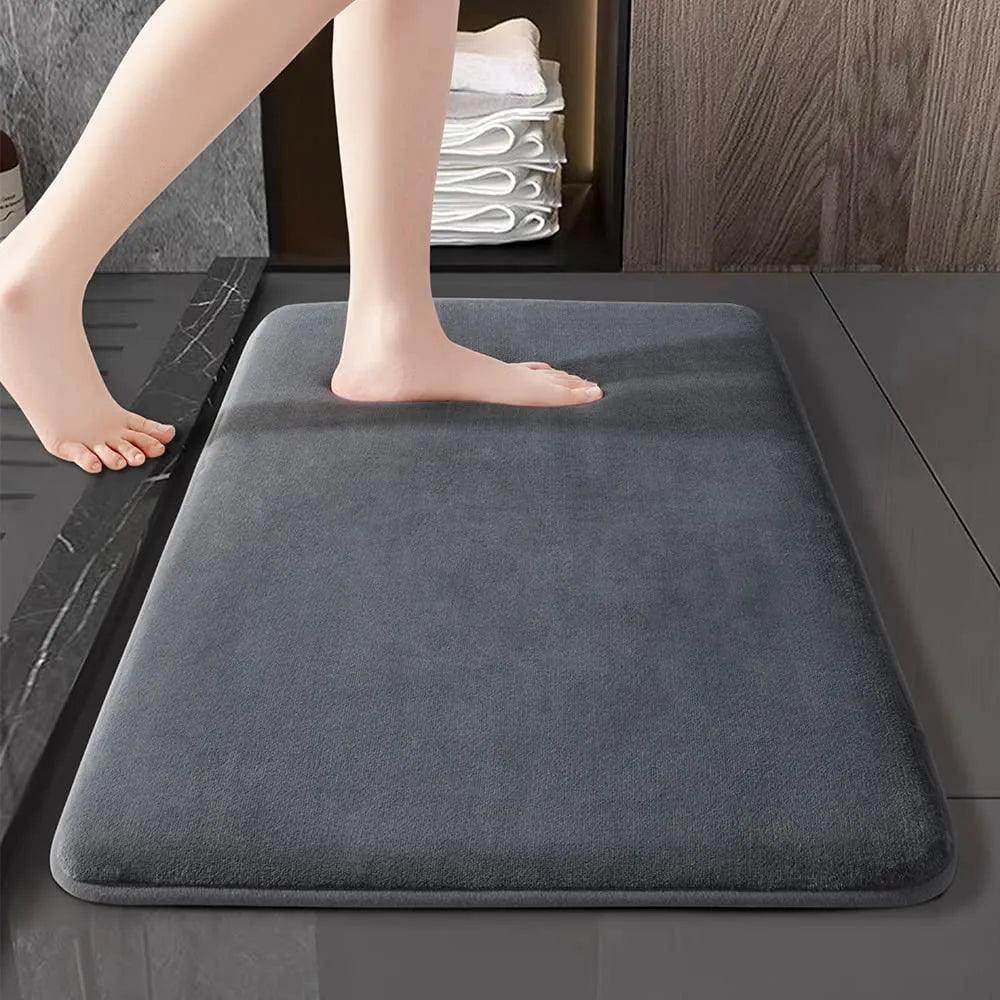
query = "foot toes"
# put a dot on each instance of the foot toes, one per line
(79, 454)
(109, 456)
(128, 451)
(149, 446)
(162, 432)
(587, 393)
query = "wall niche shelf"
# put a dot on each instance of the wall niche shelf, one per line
(589, 38)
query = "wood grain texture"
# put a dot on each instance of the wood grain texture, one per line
(877, 120)
(669, 180)
(776, 78)
(728, 133)
(956, 208)
(809, 134)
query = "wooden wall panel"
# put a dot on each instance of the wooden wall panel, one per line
(669, 173)
(827, 134)
(776, 76)
(878, 112)
(956, 209)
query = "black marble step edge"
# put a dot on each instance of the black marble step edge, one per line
(57, 621)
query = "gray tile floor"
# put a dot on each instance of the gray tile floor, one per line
(908, 456)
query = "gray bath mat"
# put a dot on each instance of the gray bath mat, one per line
(449, 654)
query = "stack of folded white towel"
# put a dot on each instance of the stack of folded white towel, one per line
(499, 177)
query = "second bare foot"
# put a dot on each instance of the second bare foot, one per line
(47, 367)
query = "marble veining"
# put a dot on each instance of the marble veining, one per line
(53, 628)
(55, 60)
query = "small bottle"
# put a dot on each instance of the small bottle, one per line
(11, 186)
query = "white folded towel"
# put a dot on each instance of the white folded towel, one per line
(500, 60)
(499, 179)
(457, 128)
(473, 104)
(520, 142)
(487, 140)
(515, 184)
(494, 217)
(533, 226)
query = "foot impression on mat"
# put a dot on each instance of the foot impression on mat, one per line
(47, 367)
(398, 365)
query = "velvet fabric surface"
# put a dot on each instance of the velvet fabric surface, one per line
(451, 654)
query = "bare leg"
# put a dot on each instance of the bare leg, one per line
(392, 67)
(191, 70)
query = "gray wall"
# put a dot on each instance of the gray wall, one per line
(55, 60)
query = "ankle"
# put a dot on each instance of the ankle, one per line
(30, 297)
(20, 290)
(387, 325)
(30, 274)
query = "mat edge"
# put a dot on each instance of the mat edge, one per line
(134, 895)
(936, 783)
(733, 307)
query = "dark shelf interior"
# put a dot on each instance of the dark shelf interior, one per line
(589, 38)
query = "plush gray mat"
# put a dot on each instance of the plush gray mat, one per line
(449, 654)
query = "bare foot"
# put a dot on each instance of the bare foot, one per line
(47, 367)
(397, 362)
